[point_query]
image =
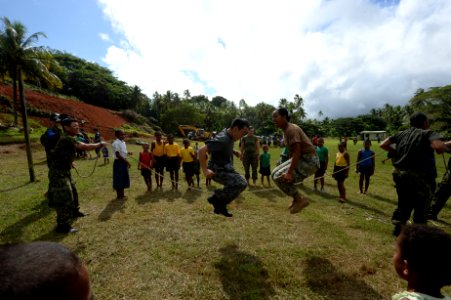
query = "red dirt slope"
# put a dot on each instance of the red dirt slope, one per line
(96, 117)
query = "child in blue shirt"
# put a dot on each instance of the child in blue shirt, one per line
(365, 165)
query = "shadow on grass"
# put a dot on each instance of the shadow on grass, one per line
(112, 207)
(272, 194)
(324, 279)
(53, 236)
(14, 231)
(383, 199)
(160, 195)
(367, 208)
(243, 275)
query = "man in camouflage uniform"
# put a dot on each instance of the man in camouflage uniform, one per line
(415, 170)
(442, 194)
(250, 150)
(63, 195)
(220, 167)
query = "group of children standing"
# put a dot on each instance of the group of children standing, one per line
(365, 167)
(161, 155)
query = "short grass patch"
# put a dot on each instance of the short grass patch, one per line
(169, 244)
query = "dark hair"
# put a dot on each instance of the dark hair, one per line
(66, 119)
(170, 136)
(427, 251)
(240, 123)
(284, 113)
(39, 270)
(117, 132)
(417, 119)
(157, 133)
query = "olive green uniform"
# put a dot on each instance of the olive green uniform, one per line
(63, 195)
(250, 156)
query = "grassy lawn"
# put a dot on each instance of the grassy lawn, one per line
(170, 245)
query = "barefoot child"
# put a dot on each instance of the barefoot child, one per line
(422, 258)
(365, 165)
(341, 170)
(121, 177)
(323, 156)
(265, 160)
(145, 165)
(188, 162)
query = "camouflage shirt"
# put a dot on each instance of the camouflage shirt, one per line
(63, 155)
(414, 151)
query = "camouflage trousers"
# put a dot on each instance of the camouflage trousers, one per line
(442, 194)
(414, 191)
(307, 165)
(233, 183)
(250, 160)
(63, 196)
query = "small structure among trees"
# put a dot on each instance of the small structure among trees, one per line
(377, 135)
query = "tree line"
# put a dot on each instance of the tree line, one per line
(97, 85)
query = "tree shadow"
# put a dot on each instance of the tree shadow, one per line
(112, 207)
(324, 279)
(15, 187)
(14, 231)
(243, 275)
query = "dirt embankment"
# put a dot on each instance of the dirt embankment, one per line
(95, 117)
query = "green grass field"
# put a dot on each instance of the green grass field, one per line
(169, 244)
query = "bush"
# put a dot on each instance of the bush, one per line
(5, 101)
(133, 117)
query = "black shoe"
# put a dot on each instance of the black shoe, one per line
(65, 229)
(222, 211)
(79, 214)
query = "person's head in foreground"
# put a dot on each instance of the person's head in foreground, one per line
(423, 258)
(42, 270)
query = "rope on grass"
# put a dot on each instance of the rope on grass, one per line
(92, 171)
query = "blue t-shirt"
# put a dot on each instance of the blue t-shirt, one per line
(365, 160)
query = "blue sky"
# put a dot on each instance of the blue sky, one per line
(70, 25)
(343, 57)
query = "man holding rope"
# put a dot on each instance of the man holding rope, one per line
(63, 195)
(415, 170)
(303, 160)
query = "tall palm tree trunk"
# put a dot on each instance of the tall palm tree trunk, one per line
(15, 109)
(25, 125)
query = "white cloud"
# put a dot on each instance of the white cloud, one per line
(343, 57)
(104, 37)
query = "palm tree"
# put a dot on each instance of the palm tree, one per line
(23, 59)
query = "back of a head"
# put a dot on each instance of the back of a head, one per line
(417, 119)
(240, 123)
(427, 251)
(39, 270)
